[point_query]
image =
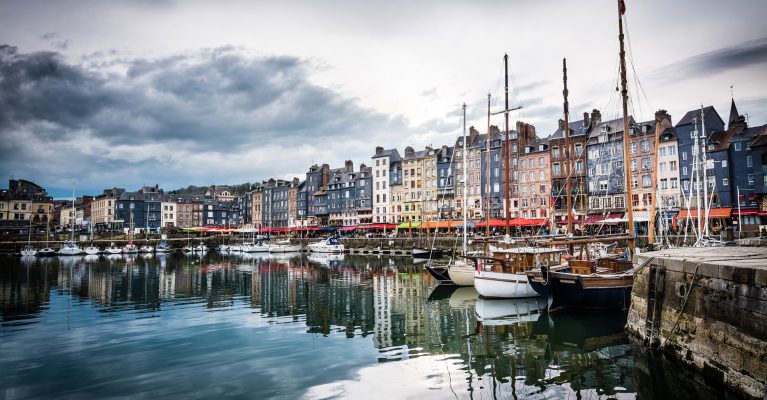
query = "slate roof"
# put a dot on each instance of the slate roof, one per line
(693, 115)
(392, 153)
(577, 128)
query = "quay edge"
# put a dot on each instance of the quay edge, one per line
(707, 309)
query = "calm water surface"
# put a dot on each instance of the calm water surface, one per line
(219, 326)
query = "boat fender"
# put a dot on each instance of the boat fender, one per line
(545, 275)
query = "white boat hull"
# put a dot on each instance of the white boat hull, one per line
(254, 248)
(70, 251)
(284, 248)
(501, 285)
(461, 274)
(92, 250)
(28, 252)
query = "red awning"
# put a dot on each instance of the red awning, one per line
(745, 211)
(347, 228)
(713, 213)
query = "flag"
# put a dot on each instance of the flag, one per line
(622, 6)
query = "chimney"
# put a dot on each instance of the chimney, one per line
(586, 119)
(409, 151)
(561, 124)
(349, 166)
(379, 149)
(473, 133)
(596, 117)
(362, 166)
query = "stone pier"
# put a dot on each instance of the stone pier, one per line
(707, 308)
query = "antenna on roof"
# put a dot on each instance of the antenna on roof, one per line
(731, 93)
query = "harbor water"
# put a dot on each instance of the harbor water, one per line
(298, 326)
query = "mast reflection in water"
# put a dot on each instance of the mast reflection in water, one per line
(191, 326)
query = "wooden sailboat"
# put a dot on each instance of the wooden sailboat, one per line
(594, 284)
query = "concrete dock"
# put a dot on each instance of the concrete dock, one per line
(707, 308)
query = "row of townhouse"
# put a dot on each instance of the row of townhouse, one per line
(428, 184)
(24, 203)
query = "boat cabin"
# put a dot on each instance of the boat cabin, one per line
(522, 259)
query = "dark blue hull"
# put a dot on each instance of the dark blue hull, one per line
(440, 274)
(566, 290)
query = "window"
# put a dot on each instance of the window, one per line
(750, 179)
(684, 170)
(726, 181)
(662, 167)
(738, 146)
(556, 169)
(541, 175)
(672, 165)
(633, 148)
(646, 163)
(645, 146)
(603, 185)
(749, 161)
(607, 202)
(594, 202)
(633, 165)
(662, 152)
(555, 151)
(578, 149)
(646, 181)
(540, 161)
(619, 203)
(684, 155)
(674, 183)
(724, 163)
(579, 166)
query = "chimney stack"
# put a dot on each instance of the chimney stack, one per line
(596, 117)
(586, 119)
(349, 166)
(379, 149)
(561, 123)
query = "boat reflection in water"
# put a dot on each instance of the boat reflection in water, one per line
(326, 259)
(372, 325)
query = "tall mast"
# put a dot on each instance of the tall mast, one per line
(463, 174)
(74, 214)
(626, 136)
(567, 152)
(705, 172)
(654, 198)
(507, 152)
(487, 174)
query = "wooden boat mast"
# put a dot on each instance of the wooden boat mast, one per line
(626, 135)
(567, 151)
(487, 172)
(507, 153)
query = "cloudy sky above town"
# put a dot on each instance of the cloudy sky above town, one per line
(132, 93)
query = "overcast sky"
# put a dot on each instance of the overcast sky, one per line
(127, 93)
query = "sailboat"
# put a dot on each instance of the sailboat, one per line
(91, 249)
(605, 283)
(70, 247)
(461, 272)
(29, 250)
(46, 251)
(130, 248)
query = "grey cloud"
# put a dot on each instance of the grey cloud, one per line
(719, 60)
(216, 101)
(55, 40)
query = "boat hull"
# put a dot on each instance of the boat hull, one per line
(426, 253)
(284, 248)
(323, 248)
(439, 273)
(502, 285)
(603, 292)
(461, 275)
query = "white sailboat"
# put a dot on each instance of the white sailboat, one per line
(46, 251)
(461, 272)
(70, 247)
(29, 250)
(91, 249)
(330, 245)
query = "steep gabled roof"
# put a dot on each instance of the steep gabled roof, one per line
(577, 128)
(694, 115)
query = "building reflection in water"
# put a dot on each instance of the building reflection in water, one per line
(493, 348)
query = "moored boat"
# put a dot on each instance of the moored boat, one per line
(113, 249)
(162, 247)
(70, 248)
(146, 249)
(504, 275)
(28, 251)
(329, 245)
(284, 246)
(92, 250)
(130, 248)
